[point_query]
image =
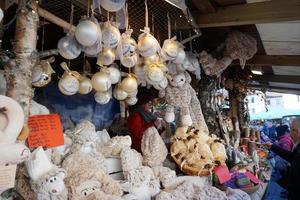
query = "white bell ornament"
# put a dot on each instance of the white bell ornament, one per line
(110, 35)
(133, 94)
(127, 50)
(41, 73)
(106, 57)
(114, 73)
(112, 5)
(170, 49)
(68, 84)
(180, 56)
(68, 47)
(119, 93)
(131, 101)
(85, 85)
(129, 84)
(154, 73)
(87, 33)
(101, 81)
(102, 97)
(147, 44)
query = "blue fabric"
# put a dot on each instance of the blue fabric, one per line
(77, 107)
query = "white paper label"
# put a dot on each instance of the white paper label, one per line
(7, 177)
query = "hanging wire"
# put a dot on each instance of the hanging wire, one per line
(43, 34)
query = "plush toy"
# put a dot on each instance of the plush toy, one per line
(47, 180)
(87, 183)
(237, 46)
(180, 95)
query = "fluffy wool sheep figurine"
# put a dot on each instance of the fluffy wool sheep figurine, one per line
(86, 182)
(180, 95)
(51, 185)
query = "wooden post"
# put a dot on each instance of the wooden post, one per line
(234, 116)
(19, 72)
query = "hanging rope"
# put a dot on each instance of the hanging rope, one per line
(126, 17)
(169, 26)
(71, 17)
(146, 13)
(43, 35)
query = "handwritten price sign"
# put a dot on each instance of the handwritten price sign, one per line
(45, 131)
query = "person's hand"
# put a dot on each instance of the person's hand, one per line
(267, 145)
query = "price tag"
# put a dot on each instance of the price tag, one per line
(7, 177)
(45, 131)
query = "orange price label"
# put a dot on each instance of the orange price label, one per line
(45, 131)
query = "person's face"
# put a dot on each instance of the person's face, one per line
(295, 133)
(148, 106)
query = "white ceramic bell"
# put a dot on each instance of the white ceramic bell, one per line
(68, 84)
(106, 57)
(169, 50)
(110, 35)
(68, 47)
(119, 93)
(41, 73)
(102, 97)
(127, 51)
(147, 45)
(162, 84)
(151, 59)
(180, 56)
(112, 5)
(85, 85)
(11, 120)
(154, 73)
(129, 61)
(114, 74)
(133, 94)
(129, 84)
(101, 81)
(131, 101)
(87, 33)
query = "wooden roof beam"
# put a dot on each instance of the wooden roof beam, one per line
(271, 60)
(204, 6)
(277, 78)
(253, 13)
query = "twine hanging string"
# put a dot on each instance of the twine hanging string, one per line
(88, 9)
(71, 17)
(169, 26)
(146, 14)
(153, 24)
(43, 34)
(126, 17)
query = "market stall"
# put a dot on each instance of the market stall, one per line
(66, 93)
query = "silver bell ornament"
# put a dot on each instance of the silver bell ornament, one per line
(112, 5)
(68, 47)
(119, 93)
(110, 35)
(87, 33)
(68, 84)
(180, 56)
(170, 49)
(127, 50)
(147, 44)
(102, 97)
(131, 101)
(101, 81)
(41, 73)
(106, 57)
(129, 84)
(114, 73)
(151, 59)
(133, 94)
(154, 73)
(85, 85)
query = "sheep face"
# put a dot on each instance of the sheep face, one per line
(55, 184)
(87, 188)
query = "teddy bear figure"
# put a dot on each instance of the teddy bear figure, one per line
(181, 97)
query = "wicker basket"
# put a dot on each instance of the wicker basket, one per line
(189, 170)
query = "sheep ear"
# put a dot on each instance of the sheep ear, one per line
(62, 173)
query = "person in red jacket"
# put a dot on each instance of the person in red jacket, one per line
(140, 116)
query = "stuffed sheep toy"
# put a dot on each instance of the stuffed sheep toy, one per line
(180, 95)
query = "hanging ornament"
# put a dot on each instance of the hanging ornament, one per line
(41, 73)
(85, 85)
(101, 81)
(112, 5)
(162, 84)
(147, 44)
(102, 97)
(151, 59)
(93, 51)
(133, 94)
(127, 50)
(129, 84)
(119, 93)
(68, 47)
(154, 73)
(131, 101)
(114, 73)
(106, 57)
(68, 84)
(110, 35)
(180, 56)
(87, 33)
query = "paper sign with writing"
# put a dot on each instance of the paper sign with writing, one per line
(223, 173)
(45, 131)
(7, 177)
(253, 178)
